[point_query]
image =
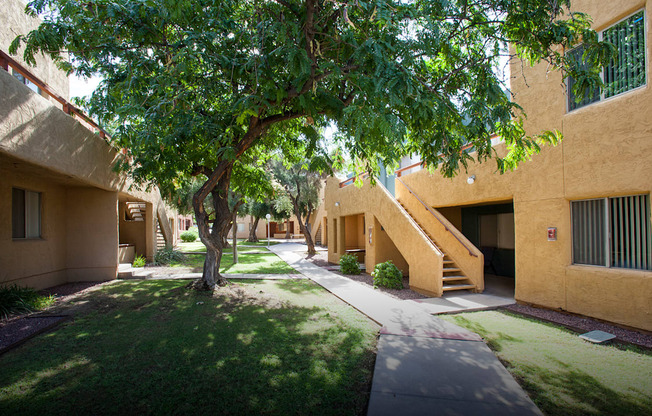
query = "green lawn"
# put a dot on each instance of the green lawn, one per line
(563, 374)
(268, 263)
(198, 246)
(153, 347)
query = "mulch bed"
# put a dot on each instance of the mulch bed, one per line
(15, 332)
(321, 259)
(582, 324)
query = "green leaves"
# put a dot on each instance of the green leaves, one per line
(191, 85)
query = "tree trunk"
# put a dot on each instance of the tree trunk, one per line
(308, 236)
(213, 236)
(302, 226)
(287, 229)
(253, 238)
(235, 239)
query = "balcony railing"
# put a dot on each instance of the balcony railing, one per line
(7, 62)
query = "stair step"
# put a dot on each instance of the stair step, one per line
(453, 278)
(451, 269)
(457, 287)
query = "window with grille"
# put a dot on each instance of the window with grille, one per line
(613, 232)
(25, 214)
(626, 71)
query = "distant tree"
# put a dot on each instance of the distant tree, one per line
(257, 210)
(198, 87)
(302, 182)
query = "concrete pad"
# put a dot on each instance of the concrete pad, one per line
(462, 377)
(466, 302)
(597, 337)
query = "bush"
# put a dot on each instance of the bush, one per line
(349, 264)
(387, 275)
(15, 299)
(188, 236)
(139, 261)
(166, 256)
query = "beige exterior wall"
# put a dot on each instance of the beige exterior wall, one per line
(14, 22)
(606, 152)
(44, 150)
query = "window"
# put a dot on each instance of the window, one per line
(25, 213)
(624, 73)
(613, 232)
(25, 81)
(241, 227)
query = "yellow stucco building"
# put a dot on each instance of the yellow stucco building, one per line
(571, 227)
(65, 215)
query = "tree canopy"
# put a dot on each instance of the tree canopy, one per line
(200, 87)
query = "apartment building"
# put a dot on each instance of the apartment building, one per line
(65, 215)
(571, 227)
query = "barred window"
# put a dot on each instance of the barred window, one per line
(613, 232)
(626, 71)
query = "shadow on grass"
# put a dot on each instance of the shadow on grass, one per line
(584, 395)
(300, 286)
(492, 339)
(155, 348)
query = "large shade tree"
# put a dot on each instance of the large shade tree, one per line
(197, 85)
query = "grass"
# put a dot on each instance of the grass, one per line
(153, 347)
(198, 246)
(250, 260)
(15, 300)
(563, 374)
(247, 263)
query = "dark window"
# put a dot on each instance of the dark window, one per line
(25, 213)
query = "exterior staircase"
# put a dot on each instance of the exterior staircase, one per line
(136, 211)
(160, 239)
(318, 236)
(453, 278)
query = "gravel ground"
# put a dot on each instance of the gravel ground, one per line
(583, 324)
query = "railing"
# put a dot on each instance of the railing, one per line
(437, 217)
(352, 179)
(400, 171)
(6, 61)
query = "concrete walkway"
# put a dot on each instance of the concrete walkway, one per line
(424, 365)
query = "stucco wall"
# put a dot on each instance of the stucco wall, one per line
(45, 150)
(92, 234)
(14, 22)
(39, 262)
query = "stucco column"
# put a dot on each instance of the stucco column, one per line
(150, 232)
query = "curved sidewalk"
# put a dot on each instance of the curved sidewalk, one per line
(424, 365)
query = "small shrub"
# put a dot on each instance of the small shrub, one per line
(349, 264)
(387, 275)
(139, 261)
(166, 256)
(15, 299)
(188, 236)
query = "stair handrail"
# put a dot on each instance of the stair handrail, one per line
(436, 217)
(410, 218)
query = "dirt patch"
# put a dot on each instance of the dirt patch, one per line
(584, 324)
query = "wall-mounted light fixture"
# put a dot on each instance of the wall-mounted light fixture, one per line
(337, 204)
(470, 179)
